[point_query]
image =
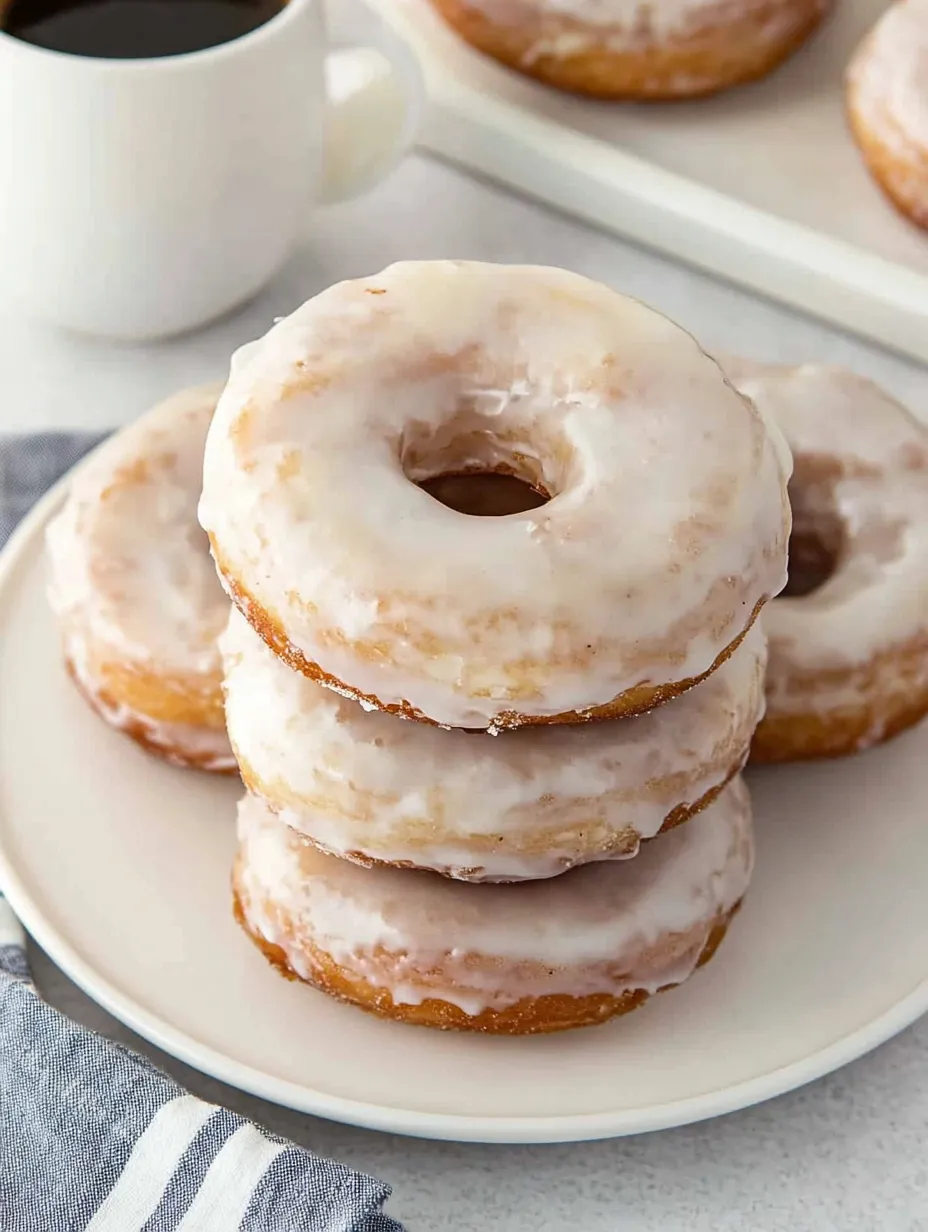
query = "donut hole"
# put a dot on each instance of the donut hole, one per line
(484, 494)
(812, 562)
(467, 464)
(816, 542)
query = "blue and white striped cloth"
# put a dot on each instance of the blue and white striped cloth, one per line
(93, 1137)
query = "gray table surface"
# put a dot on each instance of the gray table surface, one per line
(847, 1153)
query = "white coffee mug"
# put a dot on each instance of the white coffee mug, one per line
(141, 198)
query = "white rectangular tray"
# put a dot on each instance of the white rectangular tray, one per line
(761, 185)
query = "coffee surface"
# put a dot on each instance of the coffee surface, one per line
(133, 29)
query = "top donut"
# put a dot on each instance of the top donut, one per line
(665, 530)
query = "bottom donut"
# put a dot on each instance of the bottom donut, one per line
(534, 957)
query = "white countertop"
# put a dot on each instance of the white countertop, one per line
(845, 1154)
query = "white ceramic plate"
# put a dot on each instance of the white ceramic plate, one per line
(119, 867)
(761, 184)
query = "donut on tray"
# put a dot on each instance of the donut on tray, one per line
(531, 803)
(135, 591)
(665, 532)
(848, 639)
(518, 959)
(887, 103)
(667, 49)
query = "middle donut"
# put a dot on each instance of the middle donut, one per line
(525, 805)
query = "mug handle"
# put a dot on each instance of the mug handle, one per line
(374, 101)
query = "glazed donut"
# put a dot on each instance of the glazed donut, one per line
(625, 49)
(363, 786)
(665, 534)
(848, 661)
(135, 591)
(541, 956)
(887, 102)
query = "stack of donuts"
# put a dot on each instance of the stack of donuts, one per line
(492, 762)
(500, 544)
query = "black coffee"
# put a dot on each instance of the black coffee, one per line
(132, 29)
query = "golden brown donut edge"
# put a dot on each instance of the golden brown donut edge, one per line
(714, 57)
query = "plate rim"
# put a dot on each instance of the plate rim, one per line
(523, 1130)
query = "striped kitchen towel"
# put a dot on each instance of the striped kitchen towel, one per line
(94, 1138)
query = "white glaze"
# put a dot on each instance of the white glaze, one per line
(527, 804)
(888, 77)
(127, 557)
(877, 599)
(130, 570)
(596, 929)
(624, 25)
(668, 524)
